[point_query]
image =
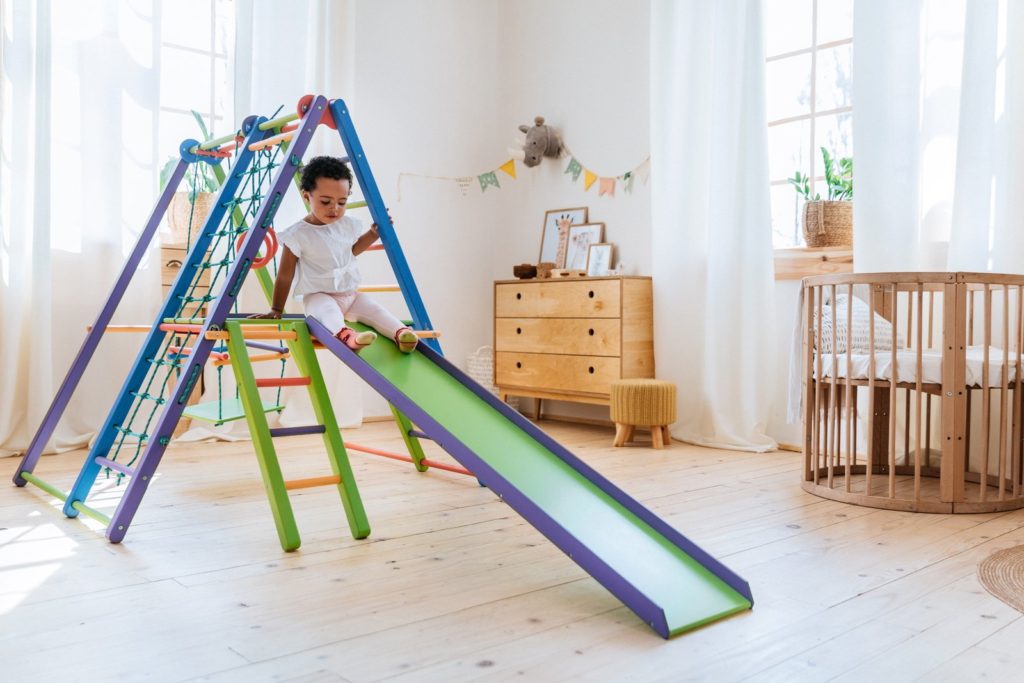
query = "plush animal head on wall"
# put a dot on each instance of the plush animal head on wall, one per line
(541, 141)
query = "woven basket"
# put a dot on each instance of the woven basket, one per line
(180, 210)
(480, 368)
(828, 224)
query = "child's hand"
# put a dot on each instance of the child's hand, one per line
(375, 230)
(273, 315)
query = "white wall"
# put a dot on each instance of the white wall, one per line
(440, 88)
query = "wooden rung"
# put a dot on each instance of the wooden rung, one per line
(272, 140)
(380, 288)
(123, 328)
(311, 482)
(259, 357)
(248, 331)
(282, 381)
(375, 247)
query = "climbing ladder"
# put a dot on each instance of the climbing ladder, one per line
(168, 368)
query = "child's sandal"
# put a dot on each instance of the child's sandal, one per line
(357, 341)
(406, 340)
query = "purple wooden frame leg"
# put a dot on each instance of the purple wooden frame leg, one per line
(92, 339)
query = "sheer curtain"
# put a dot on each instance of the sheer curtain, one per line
(711, 216)
(78, 113)
(938, 134)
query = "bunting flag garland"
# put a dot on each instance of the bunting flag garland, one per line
(509, 167)
(574, 169)
(488, 179)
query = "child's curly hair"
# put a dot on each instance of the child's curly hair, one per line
(324, 167)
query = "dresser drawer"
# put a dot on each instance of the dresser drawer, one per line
(588, 374)
(516, 300)
(171, 259)
(559, 299)
(575, 336)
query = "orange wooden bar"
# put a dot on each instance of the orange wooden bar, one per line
(311, 482)
(406, 458)
(282, 381)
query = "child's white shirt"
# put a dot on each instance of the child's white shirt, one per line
(326, 262)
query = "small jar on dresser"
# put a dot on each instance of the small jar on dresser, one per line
(569, 339)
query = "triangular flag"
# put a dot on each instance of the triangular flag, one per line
(607, 187)
(575, 169)
(509, 167)
(464, 183)
(644, 170)
(488, 179)
(588, 179)
(627, 182)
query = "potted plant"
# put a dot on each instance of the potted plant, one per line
(188, 209)
(828, 222)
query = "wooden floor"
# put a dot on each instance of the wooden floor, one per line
(453, 585)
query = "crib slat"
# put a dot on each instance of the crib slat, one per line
(917, 412)
(818, 388)
(869, 466)
(954, 404)
(849, 378)
(1015, 470)
(1004, 394)
(892, 399)
(931, 319)
(970, 318)
(985, 398)
(810, 389)
(833, 445)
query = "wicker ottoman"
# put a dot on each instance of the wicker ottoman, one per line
(647, 403)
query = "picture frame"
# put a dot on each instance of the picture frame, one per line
(580, 239)
(554, 238)
(599, 259)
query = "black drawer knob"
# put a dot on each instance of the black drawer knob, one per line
(519, 330)
(518, 365)
(591, 332)
(591, 294)
(519, 295)
(591, 369)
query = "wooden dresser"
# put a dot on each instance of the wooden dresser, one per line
(568, 339)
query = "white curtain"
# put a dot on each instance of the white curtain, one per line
(78, 112)
(711, 216)
(939, 134)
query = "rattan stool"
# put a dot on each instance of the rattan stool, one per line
(643, 403)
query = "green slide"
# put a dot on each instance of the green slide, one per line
(657, 572)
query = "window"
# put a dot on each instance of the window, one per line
(196, 38)
(809, 46)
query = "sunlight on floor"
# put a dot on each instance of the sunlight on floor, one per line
(29, 555)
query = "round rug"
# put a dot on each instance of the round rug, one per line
(1002, 575)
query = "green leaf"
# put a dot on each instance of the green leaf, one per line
(202, 125)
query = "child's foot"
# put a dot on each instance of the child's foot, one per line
(406, 340)
(356, 341)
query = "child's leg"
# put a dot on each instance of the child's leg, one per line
(329, 309)
(326, 309)
(369, 312)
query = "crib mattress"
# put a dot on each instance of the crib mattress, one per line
(931, 366)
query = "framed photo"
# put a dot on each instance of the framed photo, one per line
(555, 238)
(599, 259)
(580, 239)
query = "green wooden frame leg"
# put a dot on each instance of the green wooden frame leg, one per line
(270, 468)
(411, 442)
(305, 358)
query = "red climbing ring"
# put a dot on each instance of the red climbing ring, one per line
(303, 106)
(269, 241)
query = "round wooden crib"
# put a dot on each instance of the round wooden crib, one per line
(912, 390)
